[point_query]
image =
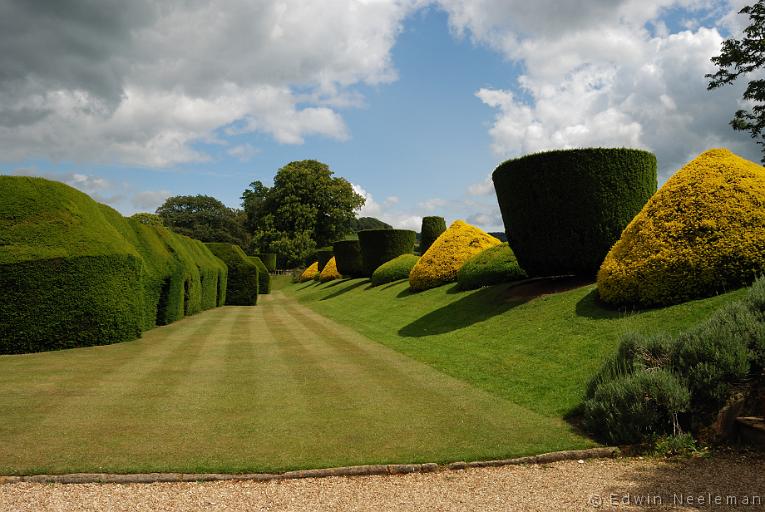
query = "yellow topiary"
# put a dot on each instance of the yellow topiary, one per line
(441, 262)
(703, 232)
(330, 271)
(310, 273)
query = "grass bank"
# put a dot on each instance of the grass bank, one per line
(535, 345)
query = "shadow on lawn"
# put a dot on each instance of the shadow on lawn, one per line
(346, 289)
(473, 308)
(590, 306)
(484, 303)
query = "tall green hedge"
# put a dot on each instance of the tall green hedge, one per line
(381, 245)
(74, 272)
(432, 227)
(323, 255)
(563, 210)
(264, 278)
(268, 259)
(348, 258)
(242, 274)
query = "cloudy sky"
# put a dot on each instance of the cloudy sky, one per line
(414, 101)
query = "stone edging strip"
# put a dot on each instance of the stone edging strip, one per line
(374, 469)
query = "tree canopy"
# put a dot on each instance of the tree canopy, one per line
(369, 223)
(742, 57)
(306, 208)
(204, 218)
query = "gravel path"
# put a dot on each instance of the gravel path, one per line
(570, 486)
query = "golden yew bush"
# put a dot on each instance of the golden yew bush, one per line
(310, 273)
(703, 232)
(330, 271)
(441, 262)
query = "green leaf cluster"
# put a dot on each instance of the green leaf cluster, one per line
(204, 218)
(741, 57)
(307, 207)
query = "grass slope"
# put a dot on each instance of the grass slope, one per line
(536, 352)
(239, 389)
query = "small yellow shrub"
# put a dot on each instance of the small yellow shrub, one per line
(310, 273)
(703, 232)
(330, 271)
(441, 262)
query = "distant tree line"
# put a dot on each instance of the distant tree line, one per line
(307, 207)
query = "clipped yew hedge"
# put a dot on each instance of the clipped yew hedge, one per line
(323, 255)
(432, 227)
(75, 273)
(701, 234)
(394, 270)
(268, 259)
(348, 258)
(264, 278)
(563, 210)
(494, 265)
(242, 274)
(381, 245)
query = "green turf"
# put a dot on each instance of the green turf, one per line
(538, 353)
(239, 389)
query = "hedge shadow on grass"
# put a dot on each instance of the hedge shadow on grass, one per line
(336, 282)
(347, 288)
(590, 306)
(475, 307)
(485, 303)
(393, 283)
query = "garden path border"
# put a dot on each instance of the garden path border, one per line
(365, 470)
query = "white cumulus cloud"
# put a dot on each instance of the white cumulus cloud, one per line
(142, 82)
(596, 75)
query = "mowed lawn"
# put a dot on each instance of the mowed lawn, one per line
(241, 389)
(536, 345)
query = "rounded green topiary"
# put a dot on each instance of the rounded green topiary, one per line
(323, 255)
(74, 272)
(492, 266)
(242, 274)
(563, 210)
(264, 278)
(432, 227)
(381, 245)
(268, 259)
(395, 269)
(348, 258)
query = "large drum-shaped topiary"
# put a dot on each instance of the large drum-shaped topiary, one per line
(563, 210)
(702, 233)
(432, 227)
(381, 245)
(348, 258)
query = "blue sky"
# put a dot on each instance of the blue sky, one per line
(414, 102)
